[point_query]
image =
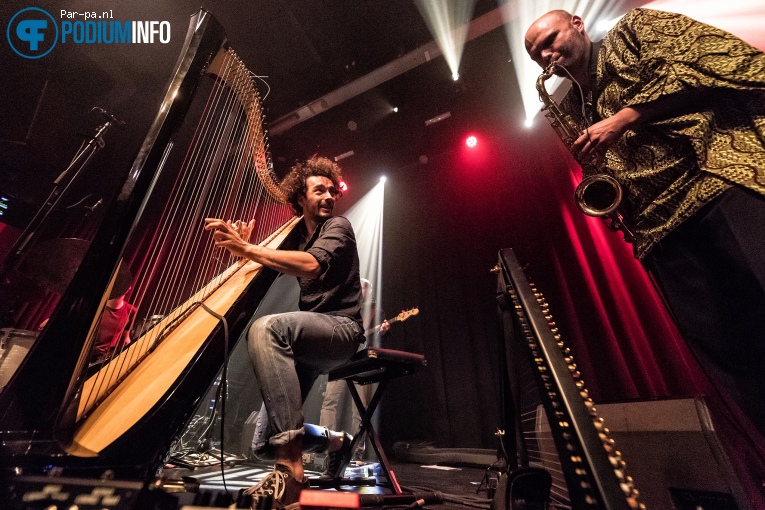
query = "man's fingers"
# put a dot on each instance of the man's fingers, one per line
(220, 225)
(579, 144)
(213, 223)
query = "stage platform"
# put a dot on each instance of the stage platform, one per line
(446, 487)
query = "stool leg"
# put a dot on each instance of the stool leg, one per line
(366, 427)
(383, 460)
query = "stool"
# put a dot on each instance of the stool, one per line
(366, 367)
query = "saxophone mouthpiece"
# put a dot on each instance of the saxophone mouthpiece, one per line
(550, 69)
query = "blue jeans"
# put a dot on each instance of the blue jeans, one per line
(288, 352)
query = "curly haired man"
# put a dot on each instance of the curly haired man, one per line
(289, 350)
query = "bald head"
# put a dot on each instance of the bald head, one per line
(552, 19)
(556, 15)
(559, 37)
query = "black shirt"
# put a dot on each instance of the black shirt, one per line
(337, 290)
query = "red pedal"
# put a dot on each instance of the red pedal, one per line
(320, 500)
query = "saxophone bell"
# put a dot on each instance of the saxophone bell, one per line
(598, 195)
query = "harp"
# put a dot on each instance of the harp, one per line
(205, 156)
(557, 427)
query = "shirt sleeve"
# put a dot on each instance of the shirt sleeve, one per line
(335, 240)
(656, 53)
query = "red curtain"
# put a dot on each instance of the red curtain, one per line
(445, 222)
(602, 286)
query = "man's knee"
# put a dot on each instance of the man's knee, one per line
(263, 332)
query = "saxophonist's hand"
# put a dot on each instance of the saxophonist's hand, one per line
(597, 139)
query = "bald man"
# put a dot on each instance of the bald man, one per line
(675, 110)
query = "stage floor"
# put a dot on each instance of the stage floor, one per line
(457, 487)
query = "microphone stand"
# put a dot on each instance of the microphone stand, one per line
(61, 185)
(205, 454)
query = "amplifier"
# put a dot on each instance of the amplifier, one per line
(672, 451)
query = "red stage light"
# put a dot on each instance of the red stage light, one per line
(343, 186)
(471, 141)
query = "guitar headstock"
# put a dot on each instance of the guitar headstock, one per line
(404, 315)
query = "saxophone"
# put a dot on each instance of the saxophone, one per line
(598, 194)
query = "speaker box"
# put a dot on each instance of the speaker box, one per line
(672, 453)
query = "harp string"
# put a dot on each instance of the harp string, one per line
(200, 166)
(107, 378)
(135, 353)
(170, 217)
(216, 162)
(171, 251)
(179, 254)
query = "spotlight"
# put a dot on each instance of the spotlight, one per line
(449, 24)
(343, 186)
(383, 179)
(605, 25)
(529, 122)
(471, 141)
(395, 109)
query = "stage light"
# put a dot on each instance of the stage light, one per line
(395, 109)
(742, 18)
(605, 25)
(343, 186)
(448, 24)
(529, 122)
(520, 16)
(366, 216)
(471, 141)
(383, 179)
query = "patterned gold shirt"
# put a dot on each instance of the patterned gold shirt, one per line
(671, 168)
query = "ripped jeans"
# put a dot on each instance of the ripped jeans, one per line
(288, 352)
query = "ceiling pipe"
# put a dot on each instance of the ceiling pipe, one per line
(421, 55)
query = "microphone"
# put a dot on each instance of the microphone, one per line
(108, 115)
